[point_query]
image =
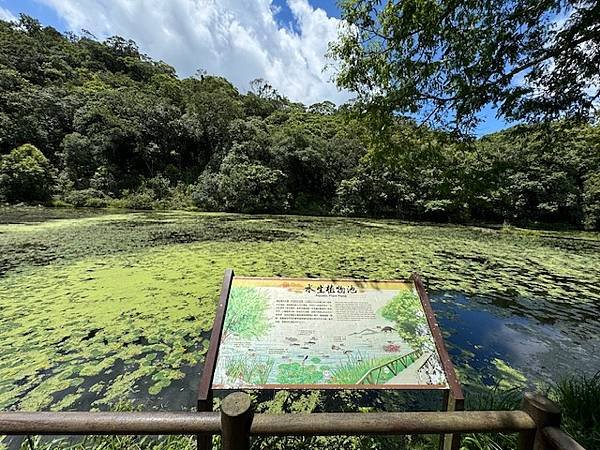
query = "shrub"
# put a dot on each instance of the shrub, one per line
(206, 193)
(591, 202)
(251, 187)
(87, 198)
(180, 198)
(59, 203)
(25, 175)
(141, 199)
(242, 187)
(159, 187)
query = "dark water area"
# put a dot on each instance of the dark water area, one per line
(32, 214)
(478, 332)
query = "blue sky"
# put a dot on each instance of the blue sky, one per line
(286, 48)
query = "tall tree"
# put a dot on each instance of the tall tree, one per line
(445, 60)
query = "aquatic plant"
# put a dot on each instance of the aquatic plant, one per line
(251, 370)
(296, 373)
(114, 298)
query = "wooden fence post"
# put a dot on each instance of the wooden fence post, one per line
(545, 413)
(236, 419)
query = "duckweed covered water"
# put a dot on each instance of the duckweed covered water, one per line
(101, 307)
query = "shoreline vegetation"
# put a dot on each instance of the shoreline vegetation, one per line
(120, 206)
(577, 395)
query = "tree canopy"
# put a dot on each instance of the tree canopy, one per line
(91, 123)
(25, 175)
(444, 61)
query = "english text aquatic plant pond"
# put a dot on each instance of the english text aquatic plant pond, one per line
(101, 307)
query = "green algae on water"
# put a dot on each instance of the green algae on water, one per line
(100, 309)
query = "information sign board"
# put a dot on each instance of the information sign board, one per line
(282, 333)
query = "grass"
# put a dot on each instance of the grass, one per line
(109, 442)
(579, 398)
(112, 443)
(577, 395)
(493, 398)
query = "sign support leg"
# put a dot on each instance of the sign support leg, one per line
(204, 442)
(452, 441)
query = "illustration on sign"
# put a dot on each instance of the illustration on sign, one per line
(280, 333)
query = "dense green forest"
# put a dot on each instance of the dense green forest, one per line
(89, 123)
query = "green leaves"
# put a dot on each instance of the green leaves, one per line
(25, 175)
(446, 60)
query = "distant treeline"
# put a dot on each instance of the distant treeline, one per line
(91, 123)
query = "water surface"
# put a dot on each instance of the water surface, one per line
(104, 306)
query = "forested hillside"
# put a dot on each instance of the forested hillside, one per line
(90, 123)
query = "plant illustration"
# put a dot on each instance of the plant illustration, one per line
(405, 310)
(246, 313)
(249, 370)
(296, 373)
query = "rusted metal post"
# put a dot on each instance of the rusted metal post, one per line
(204, 442)
(451, 441)
(236, 420)
(205, 393)
(455, 400)
(545, 413)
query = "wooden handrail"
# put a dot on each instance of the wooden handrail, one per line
(109, 423)
(559, 440)
(537, 423)
(390, 423)
(313, 424)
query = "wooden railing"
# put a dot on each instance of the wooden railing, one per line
(372, 376)
(537, 423)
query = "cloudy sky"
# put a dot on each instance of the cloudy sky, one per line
(282, 41)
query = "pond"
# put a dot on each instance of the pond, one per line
(98, 307)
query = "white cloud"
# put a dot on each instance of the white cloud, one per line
(238, 39)
(5, 14)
